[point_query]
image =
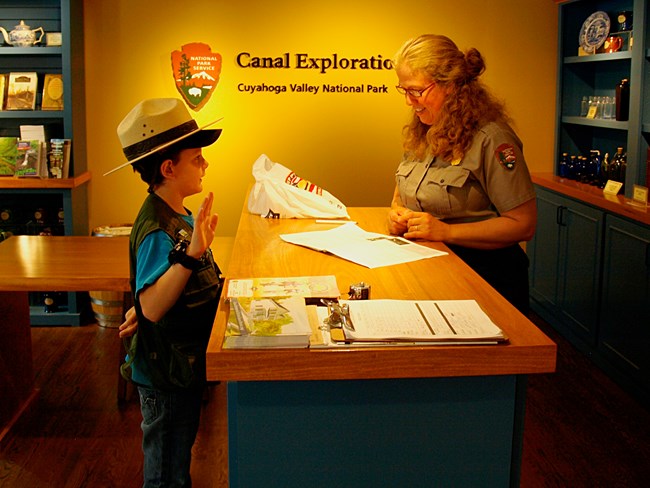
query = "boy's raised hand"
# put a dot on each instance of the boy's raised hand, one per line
(205, 225)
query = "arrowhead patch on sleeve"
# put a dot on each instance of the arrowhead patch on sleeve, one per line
(505, 154)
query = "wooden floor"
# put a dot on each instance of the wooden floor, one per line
(581, 429)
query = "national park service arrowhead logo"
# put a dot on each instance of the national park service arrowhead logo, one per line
(196, 73)
(506, 155)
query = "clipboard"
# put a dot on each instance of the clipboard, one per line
(426, 322)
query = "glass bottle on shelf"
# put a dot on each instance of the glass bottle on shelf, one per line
(608, 111)
(604, 171)
(571, 169)
(564, 166)
(598, 101)
(581, 168)
(616, 165)
(593, 167)
(6, 216)
(623, 100)
(584, 107)
(49, 302)
(623, 170)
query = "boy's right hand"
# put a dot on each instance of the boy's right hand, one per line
(130, 324)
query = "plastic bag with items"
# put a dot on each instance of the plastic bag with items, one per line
(280, 193)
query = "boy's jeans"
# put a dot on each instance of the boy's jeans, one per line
(170, 422)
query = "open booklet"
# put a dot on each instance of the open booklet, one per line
(368, 249)
(417, 321)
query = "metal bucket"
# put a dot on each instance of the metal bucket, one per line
(108, 305)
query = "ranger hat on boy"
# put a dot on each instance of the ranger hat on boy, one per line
(157, 123)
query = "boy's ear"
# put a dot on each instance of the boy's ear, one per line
(167, 168)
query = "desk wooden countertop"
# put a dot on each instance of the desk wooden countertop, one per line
(64, 263)
(259, 251)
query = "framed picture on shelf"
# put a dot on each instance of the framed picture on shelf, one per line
(52, 92)
(21, 92)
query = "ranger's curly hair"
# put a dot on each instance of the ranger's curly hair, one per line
(468, 106)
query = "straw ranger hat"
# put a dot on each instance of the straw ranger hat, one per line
(157, 123)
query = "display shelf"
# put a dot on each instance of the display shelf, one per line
(44, 183)
(597, 75)
(30, 51)
(598, 57)
(31, 114)
(63, 316)
(69, 194)
(606, 123)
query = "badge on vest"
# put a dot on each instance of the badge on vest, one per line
(505, 154)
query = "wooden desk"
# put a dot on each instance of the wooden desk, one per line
(40, 263)
(392, 416)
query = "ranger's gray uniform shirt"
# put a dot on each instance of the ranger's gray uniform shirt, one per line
(492, 178)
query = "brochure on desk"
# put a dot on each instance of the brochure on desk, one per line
(271, 312)
(265, 322)
(368, 249)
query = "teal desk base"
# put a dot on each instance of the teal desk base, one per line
(420, 432)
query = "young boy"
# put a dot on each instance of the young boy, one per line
(175, 283)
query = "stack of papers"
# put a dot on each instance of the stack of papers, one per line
(368, 249)
(421, 322)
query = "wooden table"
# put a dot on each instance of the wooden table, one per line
(385, 416)
(40, 263)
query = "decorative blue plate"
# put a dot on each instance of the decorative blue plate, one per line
(594, 31)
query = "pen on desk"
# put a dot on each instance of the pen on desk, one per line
(326, 221)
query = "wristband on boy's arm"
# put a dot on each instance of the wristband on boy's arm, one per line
(178, 254)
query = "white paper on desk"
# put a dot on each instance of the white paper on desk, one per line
(369, 249)
(420, 320)
(327, 341)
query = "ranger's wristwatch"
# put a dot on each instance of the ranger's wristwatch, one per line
(179, 255)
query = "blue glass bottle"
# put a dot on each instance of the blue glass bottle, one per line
(563, 170)
(593, 167)
(572, 168)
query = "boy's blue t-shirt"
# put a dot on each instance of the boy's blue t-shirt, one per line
(152, 263)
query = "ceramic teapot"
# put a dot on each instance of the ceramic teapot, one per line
(22, 35)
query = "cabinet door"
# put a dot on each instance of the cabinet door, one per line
(565, 262)
(579, 271)
(625, 324)
(543, 250)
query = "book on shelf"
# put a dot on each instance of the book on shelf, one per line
(29, 159)
(267, 322)
(8, 154)
(34, 132)
(59, 158)
(3, 90)
(52, 92)
(21, 91)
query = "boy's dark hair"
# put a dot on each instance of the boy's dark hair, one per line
(149, 167)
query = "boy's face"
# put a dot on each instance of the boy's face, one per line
(189, 171)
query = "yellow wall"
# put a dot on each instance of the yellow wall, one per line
(347, 143)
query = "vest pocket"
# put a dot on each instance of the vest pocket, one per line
(183, 364)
